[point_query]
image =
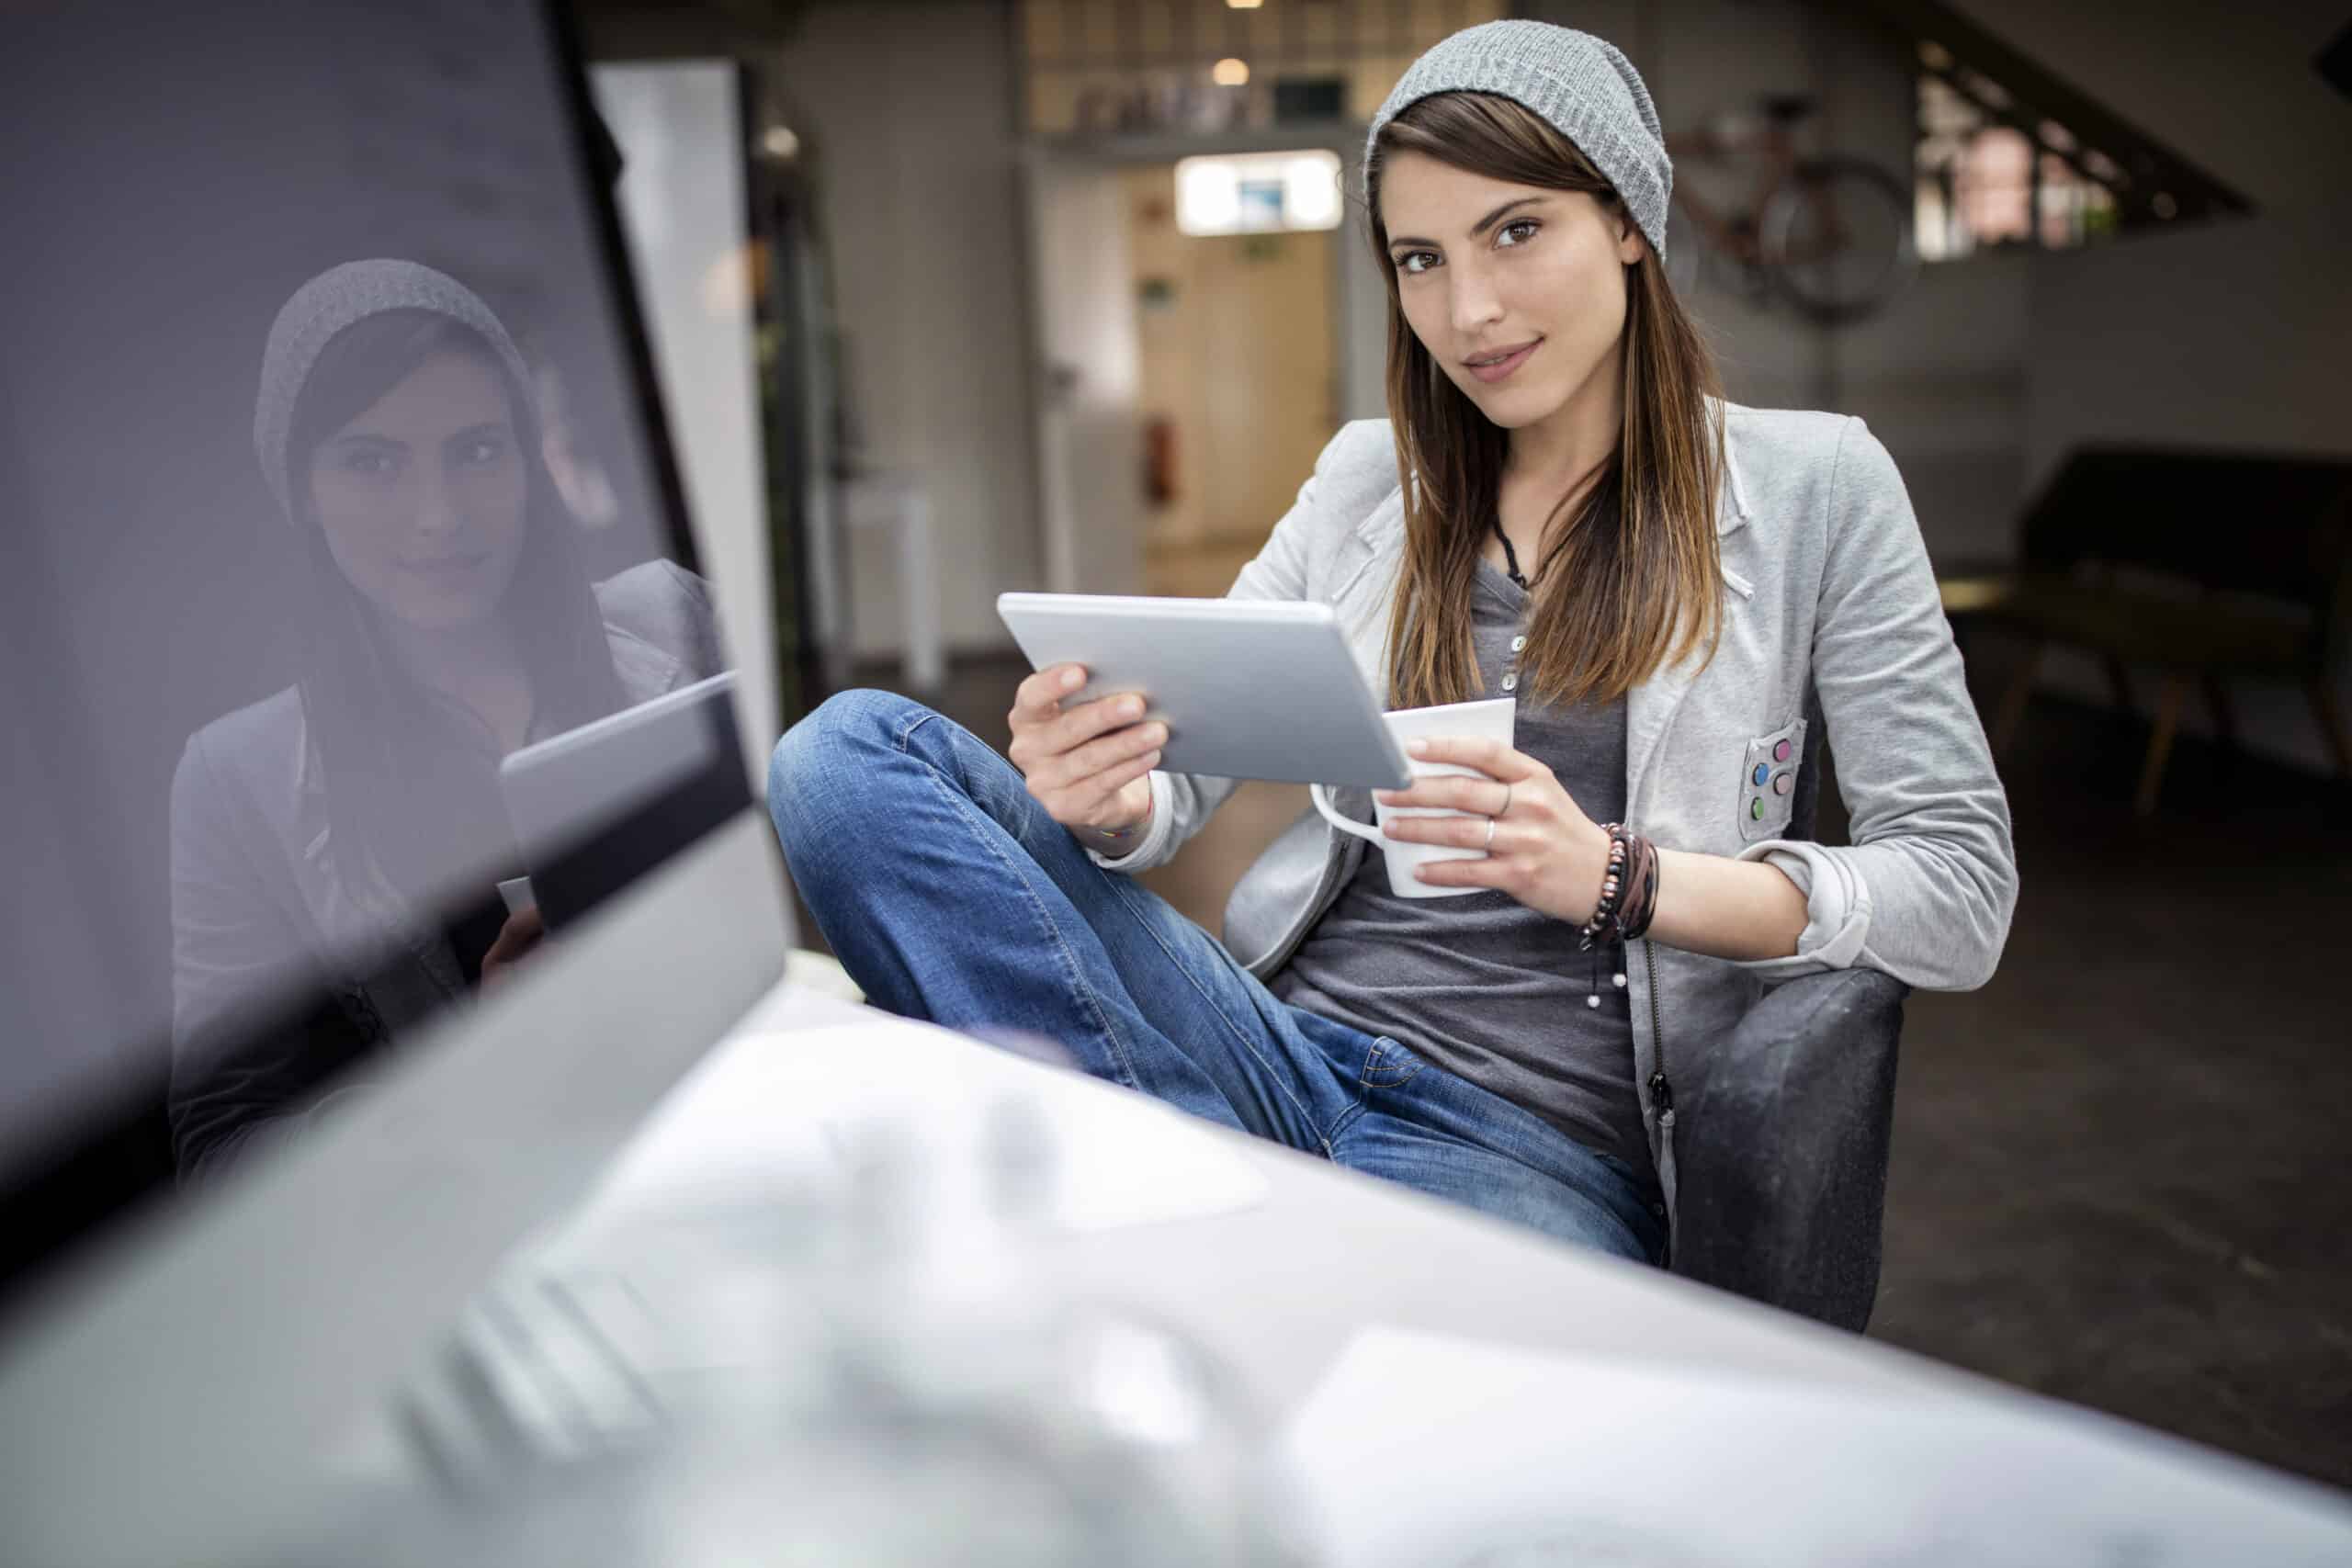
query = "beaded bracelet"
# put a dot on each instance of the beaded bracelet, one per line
(1612, 887)
(1628, 890)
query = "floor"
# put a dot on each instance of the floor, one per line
(2119, 1170)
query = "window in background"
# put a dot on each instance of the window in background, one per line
(1993, 169)
(1201, 67)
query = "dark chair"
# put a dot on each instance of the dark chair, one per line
(2202, 566)
(1781, 1134)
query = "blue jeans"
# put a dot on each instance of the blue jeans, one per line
(949, 895)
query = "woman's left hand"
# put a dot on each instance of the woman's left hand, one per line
(517, 937)
(1541, 847)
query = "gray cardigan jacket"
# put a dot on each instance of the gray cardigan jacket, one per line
(1827, 591)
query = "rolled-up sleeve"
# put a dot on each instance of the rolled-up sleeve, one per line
(1927, 887)
(1159, 840)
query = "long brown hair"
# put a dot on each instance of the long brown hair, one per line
(1632, 583)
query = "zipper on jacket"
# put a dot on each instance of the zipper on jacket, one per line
(1661, 1087)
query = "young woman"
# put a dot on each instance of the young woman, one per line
(1558, 507)
(340, 843)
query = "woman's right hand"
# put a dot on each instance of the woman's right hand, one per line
(1085, 765)
(518, 936)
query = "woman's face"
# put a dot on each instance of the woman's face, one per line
(422, 496)
(1517, 291)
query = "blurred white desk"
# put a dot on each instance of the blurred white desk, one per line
(1280, 1284)
(1529, 1396)
(1393, 1335)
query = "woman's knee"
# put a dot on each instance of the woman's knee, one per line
(832, 762)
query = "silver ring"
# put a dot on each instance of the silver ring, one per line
(1489, 844)
(1505, 810)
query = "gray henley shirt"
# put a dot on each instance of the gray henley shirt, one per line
(1480, 984)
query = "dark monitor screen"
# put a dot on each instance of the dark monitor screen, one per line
(330, 478)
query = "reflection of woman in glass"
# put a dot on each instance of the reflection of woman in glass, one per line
(336, 847)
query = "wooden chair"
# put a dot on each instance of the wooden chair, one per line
(2202, 566)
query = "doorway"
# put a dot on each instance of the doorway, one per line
(1187, 381)
(1236, 385)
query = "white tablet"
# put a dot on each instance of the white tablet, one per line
(595, 806)
(1249, 688)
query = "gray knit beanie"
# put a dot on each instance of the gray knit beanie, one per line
(343, 296)
(1585, 88)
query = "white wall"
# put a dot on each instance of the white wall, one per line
(681, 201)
(2233, 332)
(2229, 333)
(1941, 378)
(1089, 452)
(907, 109)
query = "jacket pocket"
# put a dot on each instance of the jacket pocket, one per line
(1768, 781)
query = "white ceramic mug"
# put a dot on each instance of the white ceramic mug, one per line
(1489, 719)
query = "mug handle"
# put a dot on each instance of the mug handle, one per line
(1322, 799)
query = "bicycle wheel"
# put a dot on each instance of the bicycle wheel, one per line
(1837, 235)
(1693, 260)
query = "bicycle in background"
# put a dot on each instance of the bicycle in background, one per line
(1829, 233)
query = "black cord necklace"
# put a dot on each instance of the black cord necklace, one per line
(1509, 555)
